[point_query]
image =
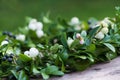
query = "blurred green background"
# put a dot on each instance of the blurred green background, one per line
(13, 12)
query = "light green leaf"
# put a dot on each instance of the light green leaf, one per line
(81, 57)
(91, 48)
(35, 71)
(22, 76)
(15, 73)
(44, 75)
(111, 47)
(24, 58)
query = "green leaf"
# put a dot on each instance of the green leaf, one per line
(23, 76)
(62, 67)
(81, 57)
(44, 75)
(51, 70)
(110, 55)
(91, 48)
(111, 47)
(24, 58)
(15, 73)
(54, 48)
(58, 73)
(2, 38)
(93, 32)
(64, 55)
(75, 43)
(64, 40)
(35, 71)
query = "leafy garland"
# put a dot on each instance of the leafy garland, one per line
(56, 47)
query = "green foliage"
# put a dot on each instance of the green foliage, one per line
(52, 48)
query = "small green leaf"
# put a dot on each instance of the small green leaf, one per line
(111, 47)
(2, 38)
(24, 58)
(54, 48)
(91, 48)
(81, 57)
(58, 73)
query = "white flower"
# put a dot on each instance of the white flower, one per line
(33, 52)
(69, 41)
(74, 21)
(35, 25)
(104, 30)
(4, 42)
(99, 35)
(32, 26)
(39, 25)
(39, 33)
(107, 20)
(20, 37)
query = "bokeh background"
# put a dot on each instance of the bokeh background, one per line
(13, 12)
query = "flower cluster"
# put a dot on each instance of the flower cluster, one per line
(36, 26)
(105, 28)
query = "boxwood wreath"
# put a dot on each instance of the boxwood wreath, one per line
(46, 48)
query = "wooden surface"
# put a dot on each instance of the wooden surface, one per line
(103, 71)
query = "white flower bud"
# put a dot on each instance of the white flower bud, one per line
(69, 41)
(20, 37)
(4, 42)
(39, 33)
(78, 36)
(74, 21)
(82, 41)
(27, 53)
(104, 30)
(99, 35)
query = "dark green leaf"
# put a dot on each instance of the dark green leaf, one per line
(64, 40)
